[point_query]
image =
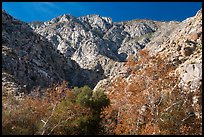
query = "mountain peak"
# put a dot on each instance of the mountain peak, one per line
(66, 17)
(95, 17)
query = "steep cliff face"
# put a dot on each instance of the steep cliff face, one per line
(183, 47)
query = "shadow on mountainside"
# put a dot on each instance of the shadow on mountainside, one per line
(33, 61)
(81, 77)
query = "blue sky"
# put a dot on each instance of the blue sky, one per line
(118, 11)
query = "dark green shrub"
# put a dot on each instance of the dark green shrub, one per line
(84, 98)
(99, 100)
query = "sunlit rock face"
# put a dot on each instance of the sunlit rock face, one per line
(92, 40)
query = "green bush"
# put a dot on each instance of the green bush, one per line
(99, 100)
(84, 98)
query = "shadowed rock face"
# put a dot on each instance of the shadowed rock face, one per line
(29, 60)
(28, 57)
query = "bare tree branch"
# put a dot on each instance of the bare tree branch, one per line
(58, 124)
(172, 105)
(190, 115)
(45, 123)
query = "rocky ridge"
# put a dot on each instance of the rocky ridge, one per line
(91, 40)
(182, 44)
(89, 49)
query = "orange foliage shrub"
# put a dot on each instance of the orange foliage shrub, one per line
(149, 100)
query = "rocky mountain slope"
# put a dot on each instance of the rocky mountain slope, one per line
(28, 57)
(151, 71)
(181, 43)
(92, 40)
(87, 49)
(30, 61)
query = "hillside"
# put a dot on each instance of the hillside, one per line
(145, 76)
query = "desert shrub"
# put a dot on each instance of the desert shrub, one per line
(99, 100)
(76, 91)
(84, 97)
(150, 101)
(24, 118)
(60, 111)
(68, 118)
